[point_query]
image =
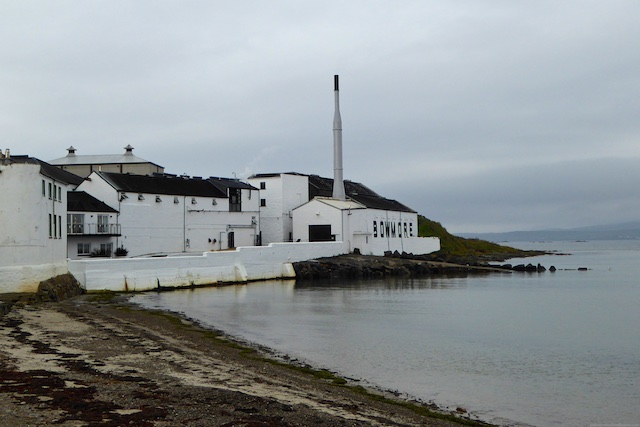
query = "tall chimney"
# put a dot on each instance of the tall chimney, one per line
(338, 181)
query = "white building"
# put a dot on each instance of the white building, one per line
(369, 230)
(298, 207)
(168, 214)
(33, 215)
(84, 165)
(92, 228)
(280, 193)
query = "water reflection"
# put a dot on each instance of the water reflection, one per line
(390, 284)
(547, 349)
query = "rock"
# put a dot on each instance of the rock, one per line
(59, 288)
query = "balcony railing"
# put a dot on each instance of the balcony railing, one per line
(92, 229)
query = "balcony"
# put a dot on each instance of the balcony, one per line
(93, 229)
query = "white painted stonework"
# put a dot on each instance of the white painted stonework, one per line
(33, 238)
(281, 194)
(163, 223)
(239, 265)
(372, 231)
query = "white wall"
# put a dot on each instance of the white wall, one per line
(28, 254)
(365, 229)
(243, 264)
(317, 213)
(101, 190)
(176, 223)
(276, 222)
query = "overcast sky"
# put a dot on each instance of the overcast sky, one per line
(482, 115)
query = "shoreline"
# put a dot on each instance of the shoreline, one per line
(100, 360)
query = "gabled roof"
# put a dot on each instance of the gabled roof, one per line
(224, 183)
(343, 205)
(80, 201)
(101, 159)
(161, 184)
(272, 175)
(48, 170)
(319, 186)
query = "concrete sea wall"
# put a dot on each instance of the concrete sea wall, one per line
(26, 278)
(240, 265)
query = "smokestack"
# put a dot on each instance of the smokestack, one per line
(338, 181)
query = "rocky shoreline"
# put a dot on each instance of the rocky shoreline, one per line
(355, 266)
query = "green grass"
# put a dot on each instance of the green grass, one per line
(456, 248)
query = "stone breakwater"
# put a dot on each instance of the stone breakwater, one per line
(355, 266)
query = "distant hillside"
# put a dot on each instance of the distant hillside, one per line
(621, 231)
(463, 250)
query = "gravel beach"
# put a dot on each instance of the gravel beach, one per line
(95, 360)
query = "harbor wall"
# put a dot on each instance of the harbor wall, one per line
(209, 268)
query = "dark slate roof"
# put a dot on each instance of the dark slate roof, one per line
(162, 184)
(48, 170)
(79, 201)
(271, 175)
(224, 183)
(319, 186)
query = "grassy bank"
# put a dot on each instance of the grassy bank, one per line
(467, 251)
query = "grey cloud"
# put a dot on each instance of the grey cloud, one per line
(459, 109)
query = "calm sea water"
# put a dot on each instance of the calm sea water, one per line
(542, 349)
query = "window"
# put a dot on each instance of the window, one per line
(44, 188)
(263, 185)
(106, 248)
(59, 193)
(103, 223)
(75, 223)
(50, 225)
(235, 200)
(59, 226)
(55, 227)
(50, 190)
(84, 248)
(263, 202)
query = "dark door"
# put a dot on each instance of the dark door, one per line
(320, 233)
(232, 239)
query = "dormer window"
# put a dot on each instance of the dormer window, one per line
(194, 201)
(176, 200)
(140, 197)
(158, 199)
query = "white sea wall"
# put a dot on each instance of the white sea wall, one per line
(239, 265)
(26, 278)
